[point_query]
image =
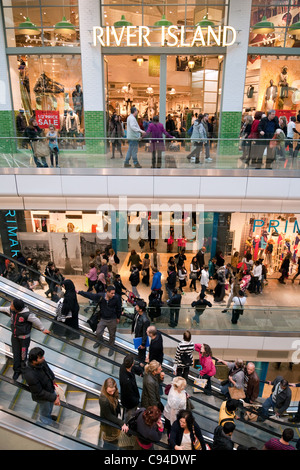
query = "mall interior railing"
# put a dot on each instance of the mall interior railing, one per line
(180, 153)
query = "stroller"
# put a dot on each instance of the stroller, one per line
(131, 299)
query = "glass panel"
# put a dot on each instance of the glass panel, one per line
(48, 83)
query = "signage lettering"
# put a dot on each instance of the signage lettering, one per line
(172, 36)
(273, 224)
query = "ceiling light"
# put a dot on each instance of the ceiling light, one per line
(27, 27)
(205, 22)
(191, 63)
(263, 27)
(122, 22)
(163, 22)
(295, 28)
(64, 27)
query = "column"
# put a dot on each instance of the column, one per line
(92, 75)
(234, 74)
(7, 127)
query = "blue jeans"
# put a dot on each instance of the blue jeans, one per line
(266, 405)
(45, 412)
(132, 151)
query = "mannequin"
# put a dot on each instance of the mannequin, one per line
(271, 95)
(128, 98)
(72, 125)
(255, 244)
(77, 97)
(284, 90)
(269, 252)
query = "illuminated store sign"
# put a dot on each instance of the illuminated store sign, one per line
(274, 223)
(171, 36)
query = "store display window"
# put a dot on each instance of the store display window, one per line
(275, 23)
(51, 88)
(37, 23)
(272, 83)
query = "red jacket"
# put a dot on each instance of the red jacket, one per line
(206, 362)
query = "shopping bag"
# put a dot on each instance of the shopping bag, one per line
(60, 392)
(199, 383)
(40, 148)
(236, 393)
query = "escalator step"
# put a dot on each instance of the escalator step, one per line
(69, 418)
(89, 428)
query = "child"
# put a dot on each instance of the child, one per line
(53, 145)
(204, 279)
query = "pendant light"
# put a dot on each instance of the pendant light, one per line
(191, 62)
(122, 22)
(294, 28)
(64, 27)
(27, 27)
(163, 22)
(205, 22)
(263, 27)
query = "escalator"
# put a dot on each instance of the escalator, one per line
(83, 370)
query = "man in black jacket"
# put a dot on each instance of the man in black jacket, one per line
(40, 380)
(156, 348)
(171, 281)
(200, 305)
(110, 308)
(130, 395)
(174, 303)
(266, 128)
(279, 399)
(222, 437)
(200, 257)
(139, 326)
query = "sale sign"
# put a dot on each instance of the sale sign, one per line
(47, 118)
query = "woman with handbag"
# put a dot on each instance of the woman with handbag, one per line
(185, 433)
(146, 270)
(208, 368)
(39, 148)
(109, 410)
(194, 273)
(177, 400)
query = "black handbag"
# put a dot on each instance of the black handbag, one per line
(93, 321)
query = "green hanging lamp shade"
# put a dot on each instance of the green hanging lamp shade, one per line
(163, 22)
(27, 27)
(122, 22)
(263, 27)
(205, 22)
(295, 28)
(64, 27)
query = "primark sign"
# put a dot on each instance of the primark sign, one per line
(171, 36)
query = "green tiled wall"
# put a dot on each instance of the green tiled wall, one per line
(7, 130)
(94, 127)
(230, 129)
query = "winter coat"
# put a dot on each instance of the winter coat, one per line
(221, 440)
(177, 433)
(40, 380)
(206, 362)
(150, 393)
(129, 391)
(176, 401)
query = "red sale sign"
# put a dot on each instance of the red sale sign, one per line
(47, 118)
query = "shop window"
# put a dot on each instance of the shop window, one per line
(280, 17)
(193, 84)
(129, 83)
(40, 23)
(50, 87)
(272, 83)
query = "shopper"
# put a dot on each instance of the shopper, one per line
(153, 376)
(70, 304)
(146, 270)
(134, 133)
(235, 376)
(134, 259)
(22, 321)
(219, 293)
(156, 131)
(200, 305)
(246, 143)
(33, 134)
(185, 432)
(109, 410)
(116, 132)
(155, 260)
(204, 280)
(257, 275)
(174, 303)
(53, 146)
(222, 437)
(171, 280)
(140, 323)
(194, 273)
(285, 268)
(267, 127)
(184, 355)
(279, 399)
(256, 151)
(239, 302)
(298, 271)
(207, 366)
(251, 384)
(281, 444)
(149, 427)
(92, 277)
(156, 280)
(291, 131)
(177, 400)
(41, 382)
(49, 274)
(129, 392)
(182, 275)
(156, 347)
(134, 280)
(227, 413)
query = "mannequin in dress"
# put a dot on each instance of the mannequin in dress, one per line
(283, 83)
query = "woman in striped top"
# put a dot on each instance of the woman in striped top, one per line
(184, 355)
